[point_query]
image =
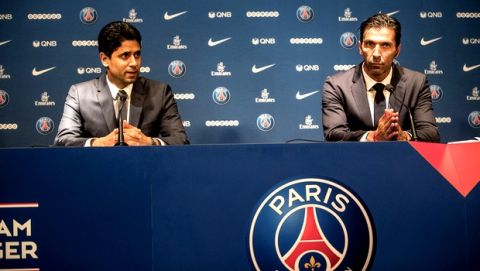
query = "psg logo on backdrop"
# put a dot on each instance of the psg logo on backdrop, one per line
(305, 14)
(437, 92)
(4, 98)
(311, 224)
(88, 15)
(44, 125)
(177, 68)
(221, 95)
(474, 119)
(265, 122)
(348, 40)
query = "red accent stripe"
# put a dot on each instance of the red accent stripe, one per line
(19, 205)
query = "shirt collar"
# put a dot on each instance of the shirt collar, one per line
(369, 82)
(114, 89)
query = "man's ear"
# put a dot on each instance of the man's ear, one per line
(104, 59)
(398, 50)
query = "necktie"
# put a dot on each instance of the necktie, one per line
(122, 103)
(379, 103)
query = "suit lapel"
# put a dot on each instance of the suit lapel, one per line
(398, 82)
(359, 93)
(136, 104)
(105, 100)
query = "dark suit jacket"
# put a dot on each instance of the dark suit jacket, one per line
(346, 114)
(89, 112)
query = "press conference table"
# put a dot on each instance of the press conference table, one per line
(191, 207)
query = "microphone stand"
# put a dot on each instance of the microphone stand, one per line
(122, 96)
(390, 88)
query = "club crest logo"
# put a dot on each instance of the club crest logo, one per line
(437, 92)
(474, 119)
(348, 40)
(88, 15)
(265, 122)
(44, 125)
(177, 68)
(311, 224)
(221, 95)
(305, 14)
(4, 98)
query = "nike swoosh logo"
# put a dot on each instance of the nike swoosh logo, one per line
(467, 69)
(168, 17)
(306, 95)
(5, 42)
(424, 42)
(393, 13)
(212, 43)
(37, 73)
(261, 69)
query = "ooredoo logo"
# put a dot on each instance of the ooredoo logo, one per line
(311, 224)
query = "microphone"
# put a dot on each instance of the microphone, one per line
(122, 97)
(391, 89)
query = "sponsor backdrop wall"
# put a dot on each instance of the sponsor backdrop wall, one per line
(241, 71)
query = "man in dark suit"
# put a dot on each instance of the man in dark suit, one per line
(89, 116)
(357, 104)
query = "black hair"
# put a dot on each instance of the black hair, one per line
(381, 20)
(113, 34)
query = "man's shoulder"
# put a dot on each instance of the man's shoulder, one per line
(89, 84)
(409, 73)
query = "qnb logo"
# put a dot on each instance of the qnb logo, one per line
(262, 14)
(348, 40)
(263, 41)
(342, 67)
(436, 92)
(177, 68)
(6, 17)
(88, 15)
(44, 16)
(311, 224)
(44, 125)
(221, 95)
(4, 98)
(305, 14)
(307, 68)
(44, 43)
(430, 14)
(443, 119)
(474, 119)
(84, 43)
(219, 14)
(474, 97)
(306, 41)
(89, 70)
(265, 122)
(8, 126)
(468, 15)
(145, 69)
(222, 123)
(184, 96)
(471, 41)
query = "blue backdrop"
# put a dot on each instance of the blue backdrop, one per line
(253, 56)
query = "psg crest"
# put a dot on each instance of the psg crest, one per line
(311, 224)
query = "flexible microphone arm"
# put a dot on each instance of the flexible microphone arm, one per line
(391, 89)
(122, 96)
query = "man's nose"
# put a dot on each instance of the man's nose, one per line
(376, 51)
